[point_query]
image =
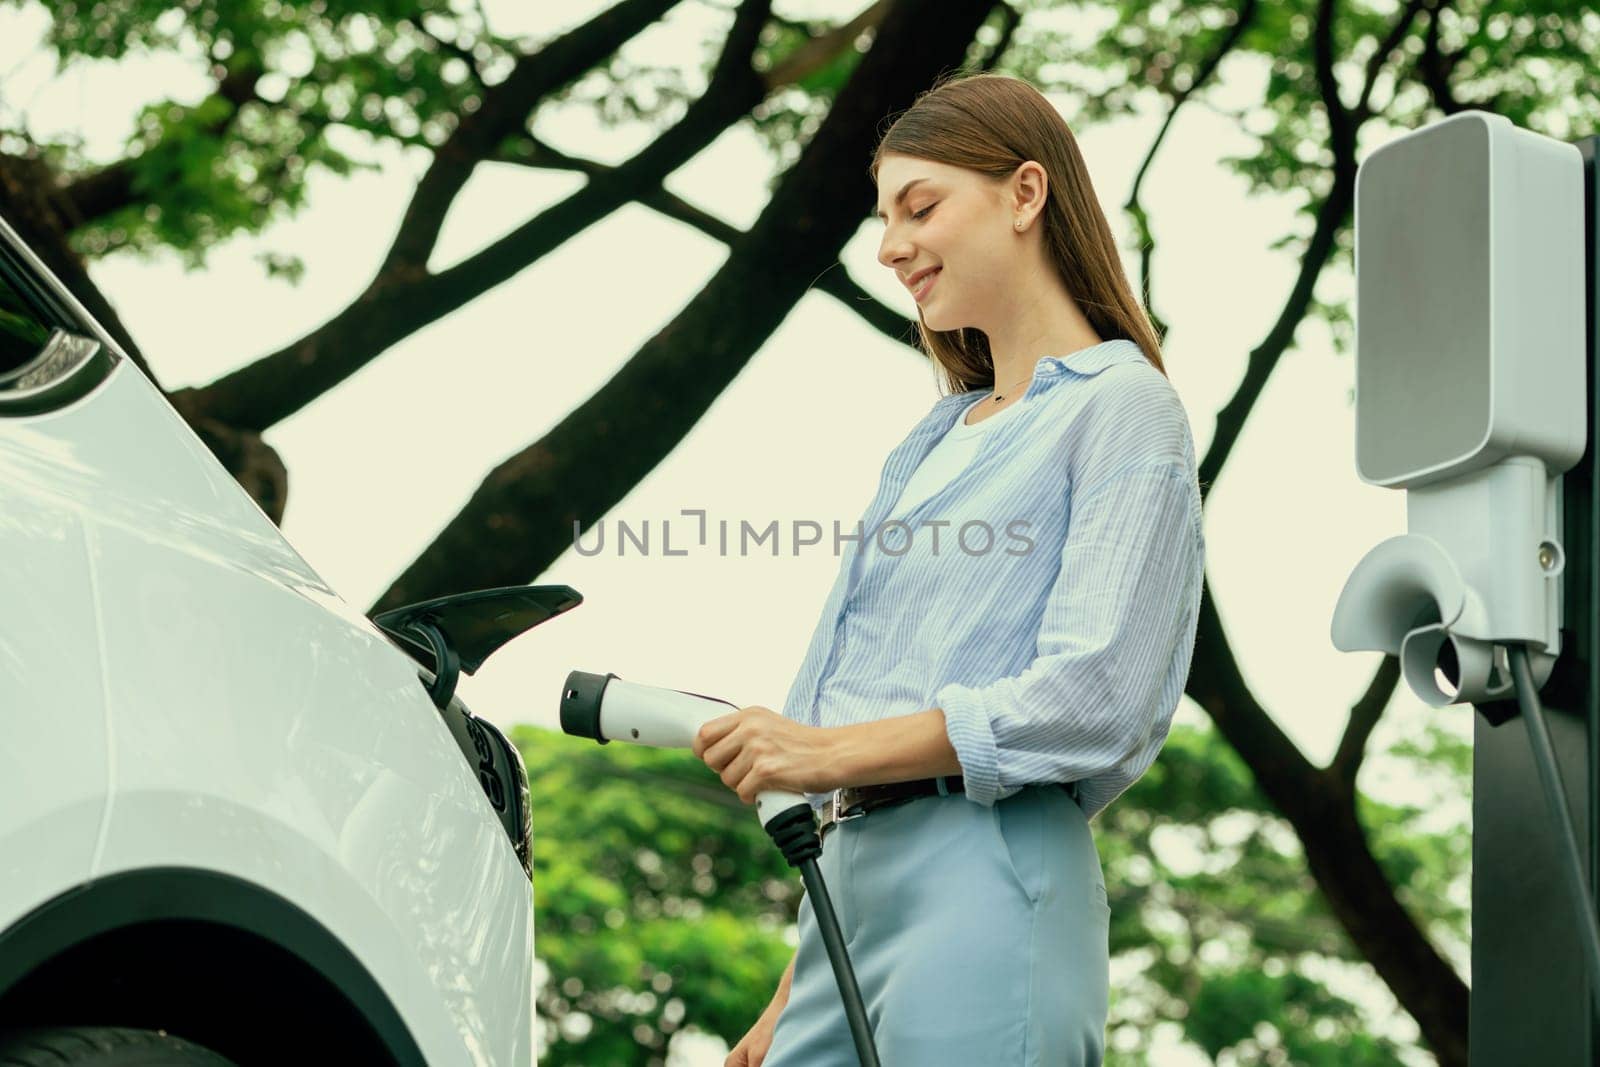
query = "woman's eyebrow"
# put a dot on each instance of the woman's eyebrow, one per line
(904, 189)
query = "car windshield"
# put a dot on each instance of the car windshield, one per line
(22, 331)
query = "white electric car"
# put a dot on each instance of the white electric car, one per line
(240, 822)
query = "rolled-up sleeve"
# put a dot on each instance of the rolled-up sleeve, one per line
(1119, 620)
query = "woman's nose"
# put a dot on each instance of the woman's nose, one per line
(892, 250)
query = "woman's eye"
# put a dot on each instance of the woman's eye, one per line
(923, 212)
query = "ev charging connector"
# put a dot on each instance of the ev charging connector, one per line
(605, 708)
(1470, 395)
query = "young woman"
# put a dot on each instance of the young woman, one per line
(1003, 649)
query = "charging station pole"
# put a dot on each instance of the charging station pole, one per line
(1531, 996)
(1476, 372)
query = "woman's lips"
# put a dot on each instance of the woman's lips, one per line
(926, 284)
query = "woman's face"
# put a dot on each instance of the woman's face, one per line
(954, 220)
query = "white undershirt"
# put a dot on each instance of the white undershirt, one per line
(949, 457)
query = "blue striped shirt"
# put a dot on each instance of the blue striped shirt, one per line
(1045, 598)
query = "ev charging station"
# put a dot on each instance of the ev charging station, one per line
(1475, 394)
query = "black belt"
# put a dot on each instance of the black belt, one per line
(852, 802)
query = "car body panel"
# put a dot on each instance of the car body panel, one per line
(53, 759)
(221, 707)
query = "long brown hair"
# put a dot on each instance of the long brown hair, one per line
(993, 123)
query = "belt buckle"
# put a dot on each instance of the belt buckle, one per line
(838, 812)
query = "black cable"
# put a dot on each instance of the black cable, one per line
(1554, 794)
(828, 926)
(795, 831)
(446, 661)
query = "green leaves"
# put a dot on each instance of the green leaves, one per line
(1218, 928)
(1249, 1011)
(292, 83)
(199, 174)
(660, 900)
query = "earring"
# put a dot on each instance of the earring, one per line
(1019, 224)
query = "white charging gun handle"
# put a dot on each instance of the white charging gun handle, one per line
(669, 718)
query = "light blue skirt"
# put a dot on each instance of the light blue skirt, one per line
(978, 936)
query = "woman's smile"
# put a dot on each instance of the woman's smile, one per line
(926, 285)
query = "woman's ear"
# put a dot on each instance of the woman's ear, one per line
(1029, 188)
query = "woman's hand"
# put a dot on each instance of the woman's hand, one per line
(755, 749)
(752, 1049)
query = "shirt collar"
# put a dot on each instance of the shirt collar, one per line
(1084, 363)
(1091, 361)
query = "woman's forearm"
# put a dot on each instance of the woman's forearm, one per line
(784, 982)
(899, 748)
(781, 997)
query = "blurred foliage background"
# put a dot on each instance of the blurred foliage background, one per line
(663, 904)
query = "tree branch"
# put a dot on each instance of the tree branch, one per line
(94, 196)
(1340, 131)
(1331, 216)
(820, 50)
(45, 211)
(1363, 718)
(1320, 805)
(394, 305)
(27, 204)
(1264, 357)
(504, 110)
(1141, 219)
(1435, 66)
(835, 281)
(523, 515)
(1363, 109)
(455, 49)
(1010, 17)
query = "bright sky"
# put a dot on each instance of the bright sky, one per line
(380, 464)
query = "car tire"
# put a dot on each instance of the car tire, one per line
(102, 1046)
